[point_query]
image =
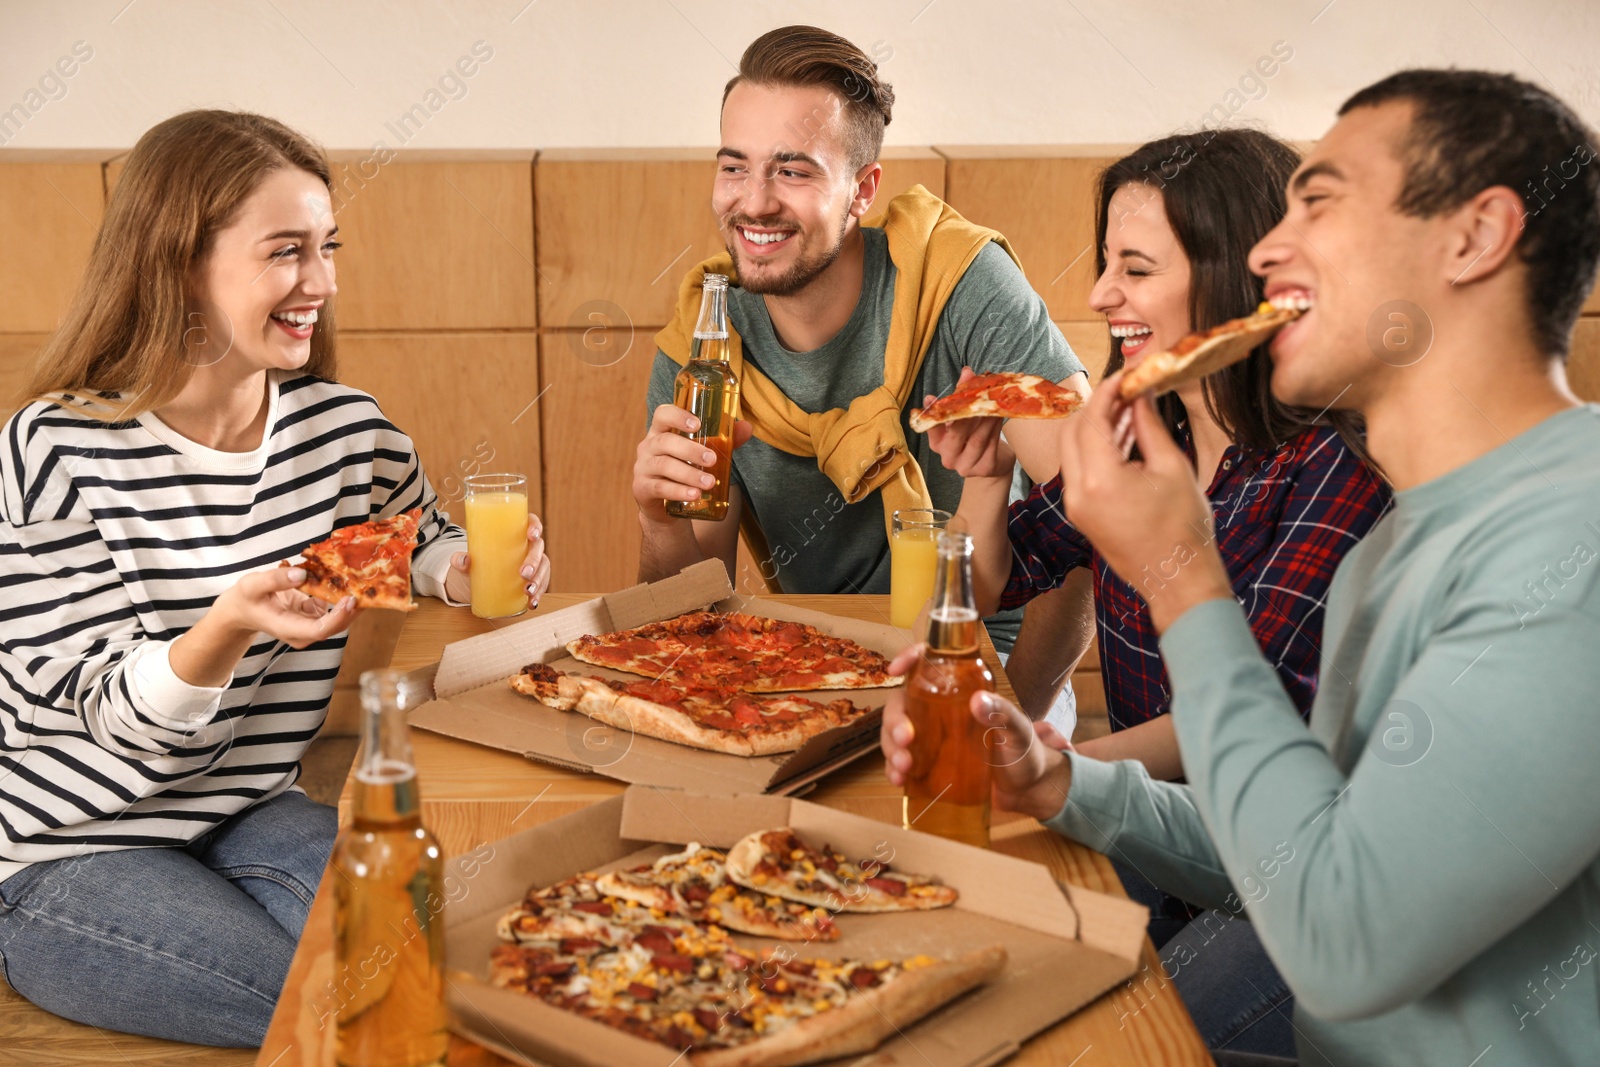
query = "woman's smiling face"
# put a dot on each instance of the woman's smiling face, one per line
(1144, 290)
(263, 280)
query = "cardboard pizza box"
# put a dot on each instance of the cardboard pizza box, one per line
(473, 701)
(1066, 945)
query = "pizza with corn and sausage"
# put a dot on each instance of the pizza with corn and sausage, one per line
(634, 963)
(780, 863)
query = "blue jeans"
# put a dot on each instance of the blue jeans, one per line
(189, 944)
(1235, 995)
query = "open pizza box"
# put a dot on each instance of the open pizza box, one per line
(1066, 945)
(473, 701)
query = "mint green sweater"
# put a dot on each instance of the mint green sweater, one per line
(1423, 862)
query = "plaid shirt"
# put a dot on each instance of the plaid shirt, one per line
(1283, 522)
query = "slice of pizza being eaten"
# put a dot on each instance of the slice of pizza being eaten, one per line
(1003, 395)
(370, 561)
(712, 717)
(1206, 351)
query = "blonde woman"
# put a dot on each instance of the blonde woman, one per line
(160, 676)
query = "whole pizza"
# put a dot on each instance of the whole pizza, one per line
(646, 950)
(746, 652)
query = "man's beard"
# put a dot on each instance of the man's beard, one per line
(801, 273)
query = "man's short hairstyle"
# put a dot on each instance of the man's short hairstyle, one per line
(1471, 130)
(806, 56)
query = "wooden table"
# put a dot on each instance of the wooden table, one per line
(472, 794)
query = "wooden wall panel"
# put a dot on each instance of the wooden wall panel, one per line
(1583, 362)
(594, 415)
(435, 245)
(16, 365)
(1045, 207)
(49, 215)
(620, 228)
(468, 400)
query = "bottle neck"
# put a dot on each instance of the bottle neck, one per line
(953, 612)
(385, 774)
(711, 329)
(712, 349)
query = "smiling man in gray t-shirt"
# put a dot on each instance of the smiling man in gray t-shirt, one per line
(797, 171)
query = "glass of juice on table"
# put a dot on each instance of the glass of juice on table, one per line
(913, 560)
(497, 542)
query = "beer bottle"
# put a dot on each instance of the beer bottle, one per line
(388, 900)
(708, 390)
(947, 790)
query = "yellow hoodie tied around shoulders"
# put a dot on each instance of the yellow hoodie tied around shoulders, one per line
(861, 448)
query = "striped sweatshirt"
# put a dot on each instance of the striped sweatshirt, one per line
(114, 540)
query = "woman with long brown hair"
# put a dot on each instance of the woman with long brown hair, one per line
(160, 675)
(1291, 492)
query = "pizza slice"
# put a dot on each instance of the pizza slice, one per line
(693, 884)
(577, 913)
(1003, 395)
(780, 863)
(750, 652)
(370, 561)
(734, 1009)
(710, 717)
(1206, 351)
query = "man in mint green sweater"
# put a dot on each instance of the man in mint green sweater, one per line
(1422, 861)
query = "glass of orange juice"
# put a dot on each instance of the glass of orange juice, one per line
(913, 561)
(497, 541)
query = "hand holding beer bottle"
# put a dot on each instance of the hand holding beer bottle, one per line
(947, 784)
(683, 464)
(948, 739)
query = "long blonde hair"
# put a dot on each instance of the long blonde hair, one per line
(120, 348)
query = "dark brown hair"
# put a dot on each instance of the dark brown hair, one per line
(1471, 130)
(808, 56)
(1222, 190)
(184, 180)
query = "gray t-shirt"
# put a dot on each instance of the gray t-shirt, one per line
(993, 321)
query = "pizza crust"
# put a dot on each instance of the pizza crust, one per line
(592, 697)
(864, 1021)
(1222, 346)
(599, 701)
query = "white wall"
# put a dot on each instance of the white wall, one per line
(649, 72)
